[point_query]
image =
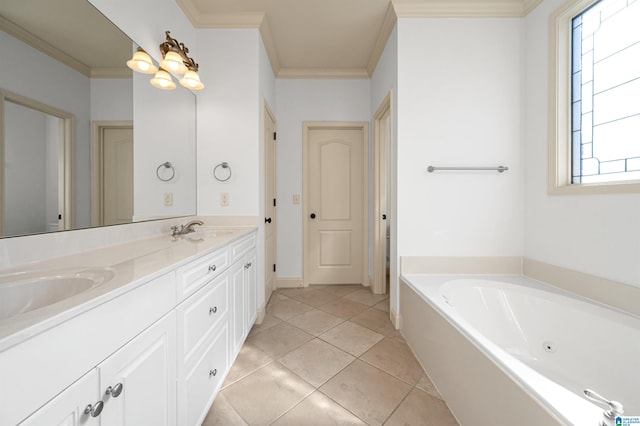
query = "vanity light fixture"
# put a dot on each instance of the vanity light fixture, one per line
(175, 59)
(142, 62)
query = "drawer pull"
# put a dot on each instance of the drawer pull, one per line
(247, 266)
(213, 310)
(114, 391)
(212, 268)
(95, 409)
(213, 372)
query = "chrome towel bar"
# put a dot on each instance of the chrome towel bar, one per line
(498, 169)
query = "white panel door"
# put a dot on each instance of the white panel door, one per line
(335, 213)
(269, 203)
(117, 181)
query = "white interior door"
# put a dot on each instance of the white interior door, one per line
(334, 204)
(269, 204)
(114, 186)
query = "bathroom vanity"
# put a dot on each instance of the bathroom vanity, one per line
(150, 344)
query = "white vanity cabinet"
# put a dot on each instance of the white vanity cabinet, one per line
(155, 354)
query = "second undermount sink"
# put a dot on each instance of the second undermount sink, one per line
(27, 291)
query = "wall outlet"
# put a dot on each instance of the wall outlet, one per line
(224, 198)
(296, 198)
(168, 198)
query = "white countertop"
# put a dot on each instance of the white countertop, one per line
(133, 264)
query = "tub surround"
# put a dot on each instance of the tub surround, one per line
(611, 293)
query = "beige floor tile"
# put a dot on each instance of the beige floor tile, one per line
(263, 396)
(375, 320)
(290, 292)
(352, 338)
(268, 322)
(341, 290)
(222, 414)
(287, 308)
(383, 306)
(365, 297)
(315, 321)
(318, 410)
(250, 359)
(420, 408)
(315, 297)
(316, 361)
(367, 392)
(426, 385)
(343, 308)
(395, 358)
(280, 339)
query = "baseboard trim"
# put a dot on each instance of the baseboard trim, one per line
(395, 318)
(289, 283)
(260, 313)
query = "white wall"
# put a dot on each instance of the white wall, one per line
(596, 234)
(299, 101)
(459, 104)
(112, 99)
(228, 120)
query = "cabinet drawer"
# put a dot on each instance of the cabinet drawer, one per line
(205, 378)
(199, 314)
(240, 247)
(193, 276)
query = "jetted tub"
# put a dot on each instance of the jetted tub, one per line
(511, 350)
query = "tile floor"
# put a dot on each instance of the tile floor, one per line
(327, 355)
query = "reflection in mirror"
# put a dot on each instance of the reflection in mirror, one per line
(67, 78)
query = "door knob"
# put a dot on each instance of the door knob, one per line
(267, 220)
(312, 216)
(384, 217)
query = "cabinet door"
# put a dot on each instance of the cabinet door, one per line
(238, 320)
(250, 288)
(138, 382)
(68, 408)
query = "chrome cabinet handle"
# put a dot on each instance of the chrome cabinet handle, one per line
(247, 266)
(114, 391)
(213, 372)
(212, 268)
(213, 310)
(95, 409)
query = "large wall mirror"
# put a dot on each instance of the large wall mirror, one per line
(84, 141)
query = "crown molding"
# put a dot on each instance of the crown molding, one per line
(270, 46)
(323, 73)
(388, 24)
(529, 5)
(44, 47)
(445, 9)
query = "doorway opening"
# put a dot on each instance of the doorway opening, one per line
(37, 174)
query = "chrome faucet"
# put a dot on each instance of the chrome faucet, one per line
(615, 409)
(185, 229)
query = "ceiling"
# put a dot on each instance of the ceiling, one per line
(303, 38)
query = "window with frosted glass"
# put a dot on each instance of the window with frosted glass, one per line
(606, 93)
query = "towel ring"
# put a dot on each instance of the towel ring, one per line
(166, 165)
(225, 166)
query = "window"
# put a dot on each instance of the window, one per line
(595, 98)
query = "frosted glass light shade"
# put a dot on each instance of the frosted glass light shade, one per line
(162, 80)
(191, 80)
(173, 62)
(142, 62)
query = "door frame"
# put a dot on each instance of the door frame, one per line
(66, 156)
(307, 126)
(268, 114)
(382, 176)
(97, 173)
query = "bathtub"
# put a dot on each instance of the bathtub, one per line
(511, 350)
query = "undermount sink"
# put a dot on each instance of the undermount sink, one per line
(27, 291)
